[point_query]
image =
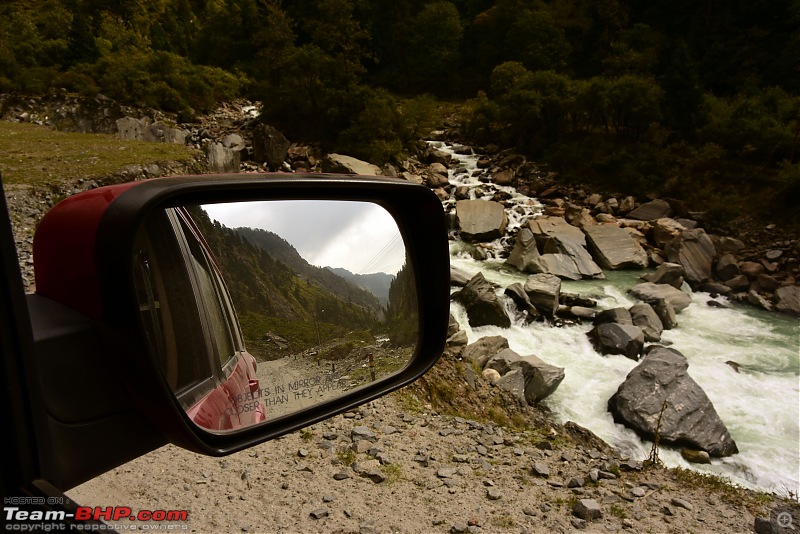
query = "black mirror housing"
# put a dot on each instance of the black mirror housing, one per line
(92, 274)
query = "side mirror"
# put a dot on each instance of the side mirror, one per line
(223, 322)
(259, 310)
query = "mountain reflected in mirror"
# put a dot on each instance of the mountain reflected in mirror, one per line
(299, 302)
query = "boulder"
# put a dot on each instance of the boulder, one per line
(666, 313)
(516, 292)
(614, 248)
(788, 299)
(435, 180)
(501, 362)
(338, 163)
(131, 129)
(727, 267)
(504, 177)
(481, 220)
(484, 349)
(751, 269)
(665, 230)
(234, 142)
(738, 283)
(646, 318)
(540, 379)
(576, 312)
(482, 303)
(221, 159)
(656, 209)
(458, 277)
(270, 146)
(696, 457)
(452, 326)
(652, 293)
(612, 338)
(727, 245)
(695, 251)
(434, 155)
(544, 290)
(512, 381)
(689, 419)
(525, 255)
(614, 315)
(666, 273)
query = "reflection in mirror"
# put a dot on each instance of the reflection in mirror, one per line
(256, 310)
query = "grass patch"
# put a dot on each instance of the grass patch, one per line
(724, 488)
(393, 473)
(618, 512)
(505, 521)
(408, 401)
(306, 435)
(347, 456)
(37, 155)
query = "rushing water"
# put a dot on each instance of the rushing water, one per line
(760, 404)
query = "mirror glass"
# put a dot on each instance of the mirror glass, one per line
(256, 310)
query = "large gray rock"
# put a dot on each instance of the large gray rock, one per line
(613, 338)
(667, 273)
(666, 313)
(221, 159)
(646, 318)
(481, 220)
(544, 291)
(614, 248)
(694, 250)
(482, 303)
(551, 245)
(689, 419)
(788, 299)
(656, 209)
(614, 315)
(516, 292)
(653, 293)
(540, 379)
(665, 230)
(458, 277)
(270, 146)
(339, 163)
(131, 129)
(484, 349)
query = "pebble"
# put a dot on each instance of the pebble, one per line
(587, 509)
(493, 494)
(320, 513)
(681, 503)
(541, 470)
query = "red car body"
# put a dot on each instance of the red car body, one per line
(224, 395)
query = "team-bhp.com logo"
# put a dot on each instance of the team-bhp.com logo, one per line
(85, 518)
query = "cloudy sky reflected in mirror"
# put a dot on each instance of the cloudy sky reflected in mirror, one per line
(358, 236)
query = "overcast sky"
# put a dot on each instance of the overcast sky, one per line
(358, 236)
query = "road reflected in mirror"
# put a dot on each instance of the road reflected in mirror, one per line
(257, 310)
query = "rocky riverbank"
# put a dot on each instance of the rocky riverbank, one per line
(456, 452)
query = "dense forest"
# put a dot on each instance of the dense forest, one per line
(695, 99)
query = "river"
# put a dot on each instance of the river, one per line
(760, 404)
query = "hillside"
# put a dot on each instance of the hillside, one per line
(282, 301)
(376, 283)
(281, 250)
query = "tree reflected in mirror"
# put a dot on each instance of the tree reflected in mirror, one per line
(295, 303)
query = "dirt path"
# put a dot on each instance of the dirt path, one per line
(382, 469)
